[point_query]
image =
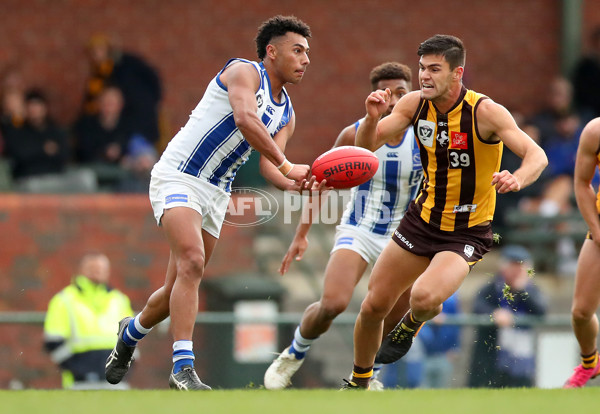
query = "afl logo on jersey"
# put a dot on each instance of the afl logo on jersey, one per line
(259, 100)
(425, 131)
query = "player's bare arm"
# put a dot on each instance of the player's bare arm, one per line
(495, 123)
(585, 168)
(346, 137)
(242, 82)
(373, 132)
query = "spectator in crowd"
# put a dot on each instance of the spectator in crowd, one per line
(139, 82)
(561, 150)
(138, 162)
(101, 140)
(586, 75)
(104, 136)
(558, 105)
(504, 354)
(39, 146)
(79, 326)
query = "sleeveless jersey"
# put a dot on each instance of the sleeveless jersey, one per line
(457, 191)
(210, 146)
(379, 204)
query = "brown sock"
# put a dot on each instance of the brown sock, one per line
(409, 323)
(362, 376)
(589, 361)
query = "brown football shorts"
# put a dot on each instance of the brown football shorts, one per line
(420, 238)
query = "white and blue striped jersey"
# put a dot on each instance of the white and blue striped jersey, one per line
(210, 146)
(378, 205)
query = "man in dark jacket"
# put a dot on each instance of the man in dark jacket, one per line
(504, 354)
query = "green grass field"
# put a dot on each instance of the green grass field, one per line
(463, 401)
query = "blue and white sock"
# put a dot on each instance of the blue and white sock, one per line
(300, 345)
(134, 331)
(376, 370)
(183, 354)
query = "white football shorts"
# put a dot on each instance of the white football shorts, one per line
(170, 189)
(368, 245)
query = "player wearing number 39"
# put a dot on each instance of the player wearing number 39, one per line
(245, 107)
(374, 211)
(447, 229)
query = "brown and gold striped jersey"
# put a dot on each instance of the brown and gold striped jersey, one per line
(457, 191)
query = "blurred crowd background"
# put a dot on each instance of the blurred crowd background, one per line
(92, 91)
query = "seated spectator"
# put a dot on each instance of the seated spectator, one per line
(504, 354)
(39, 146)
(101, 140)
(104, 136)
(138, 162)
(139, 82)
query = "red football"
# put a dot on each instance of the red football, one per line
(345, 167)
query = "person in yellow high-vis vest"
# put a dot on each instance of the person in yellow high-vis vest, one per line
(79, 326)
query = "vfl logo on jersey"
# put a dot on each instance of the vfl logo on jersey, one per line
(469, 250)
(259, 100)
(442, 138)
(425, 131)
(458, 140)
(465, 208)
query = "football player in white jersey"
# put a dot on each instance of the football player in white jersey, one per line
(244, 107)
(371, 216)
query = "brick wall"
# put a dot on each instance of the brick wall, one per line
(513, 48)
(42, 239)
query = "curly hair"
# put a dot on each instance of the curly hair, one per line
(450, 47)
(390, 70)
(278, 26)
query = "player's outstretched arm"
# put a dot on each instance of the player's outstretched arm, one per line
(585, 169)
(495, 122)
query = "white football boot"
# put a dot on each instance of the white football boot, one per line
(279, 374)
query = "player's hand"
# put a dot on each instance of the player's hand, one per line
(378, 102)
(295, 251)
(301, 186)
(319, 188)
(299, 172)
(505, 182)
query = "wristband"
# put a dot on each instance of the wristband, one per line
(285, 168)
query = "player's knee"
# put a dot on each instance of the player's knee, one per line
(424, 301)
(581, 314)
(330, 308)
(191, 263)
(373, 310)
